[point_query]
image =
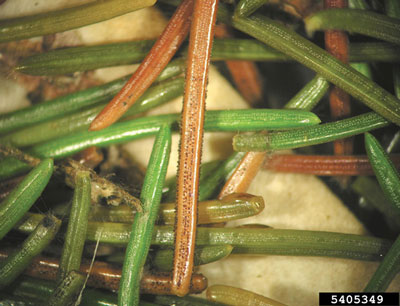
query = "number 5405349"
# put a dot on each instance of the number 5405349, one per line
(357, 299)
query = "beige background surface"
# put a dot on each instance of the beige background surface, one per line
(293, 201)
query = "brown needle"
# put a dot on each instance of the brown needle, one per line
(90, 157)
(245, 74)
(243, 175)
(158, 57)
(336, 43)
(106, 276)
(323, 165)
(201, 38)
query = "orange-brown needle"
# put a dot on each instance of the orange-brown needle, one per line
(90, 157)
(6, 187)
(247, 79)
(245, 74)
(107, 276)
(201, 38)
(158, 57)
(243, 175)
(336, 43)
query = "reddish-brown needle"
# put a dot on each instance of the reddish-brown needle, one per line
(336, 43)
(106, 276)
(243, 175)
(247, 79)
(201, 38)
(155, 61)
(323, 165)
(90, 157)
(245, 74)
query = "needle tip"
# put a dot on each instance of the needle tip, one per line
(96, 125)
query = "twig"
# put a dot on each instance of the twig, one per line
(8, 151)
(103, 190)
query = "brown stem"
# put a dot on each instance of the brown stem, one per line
(8, 151)
(156, 60)
(201, 38)
(323, 165)
(107, 276)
